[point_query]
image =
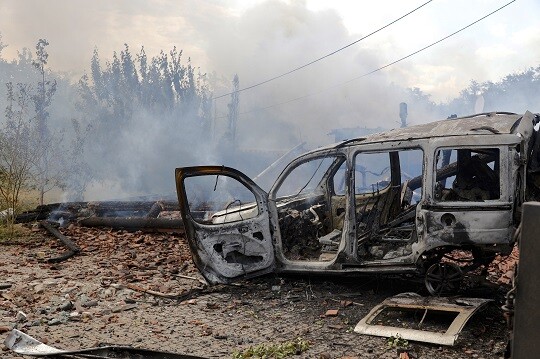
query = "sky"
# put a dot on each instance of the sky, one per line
(506, 42)
(259, 39)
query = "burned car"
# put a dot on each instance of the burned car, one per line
(399, 202)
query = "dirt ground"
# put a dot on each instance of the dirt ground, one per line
(97, 297)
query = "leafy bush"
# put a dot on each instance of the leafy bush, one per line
(275, 351)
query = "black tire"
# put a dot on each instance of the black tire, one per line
(443, 279)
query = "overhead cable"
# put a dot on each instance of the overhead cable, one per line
(323, 57)
(377, 69)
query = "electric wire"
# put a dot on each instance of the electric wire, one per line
(322, 57)
(432, 44)
(373, 71)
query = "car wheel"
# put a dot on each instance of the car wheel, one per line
(443, 279)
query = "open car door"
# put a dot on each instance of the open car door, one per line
(227, 223)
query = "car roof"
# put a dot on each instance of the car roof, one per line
(492, 123)
(487, 124)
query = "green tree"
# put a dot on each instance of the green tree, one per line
(131, 94)
(46, 177)
(17, 149)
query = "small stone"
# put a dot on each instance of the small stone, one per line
(54, 321)
(332, 312)
(49, 282)
(123, 308)
(21, 316)
(109, 292)
(68, 290)
(68, 305)
(335, 326)
(90, 303)
(43, 310)
(4, 329)
(78, 306)
(5, 285)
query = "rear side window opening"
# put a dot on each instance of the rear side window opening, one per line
(467, 174)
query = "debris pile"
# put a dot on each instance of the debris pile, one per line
(132, 257)
(501, 270)
(112, 292)
(116, 270)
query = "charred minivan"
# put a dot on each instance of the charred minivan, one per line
(399, 202)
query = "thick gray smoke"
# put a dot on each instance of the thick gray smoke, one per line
(266, 40)
(274, 37)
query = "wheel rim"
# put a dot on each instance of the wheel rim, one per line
(443, 279)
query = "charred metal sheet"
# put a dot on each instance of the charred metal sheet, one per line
(462, 308)
(227, 251)
(24, 344)
(501, 123)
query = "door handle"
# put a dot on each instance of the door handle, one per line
(243, 229)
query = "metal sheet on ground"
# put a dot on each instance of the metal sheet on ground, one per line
(461, 308)
(24, 344)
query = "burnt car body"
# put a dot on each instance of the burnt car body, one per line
(398, 202)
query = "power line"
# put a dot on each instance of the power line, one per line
(325, 56)
(433, 44)
(378, 69)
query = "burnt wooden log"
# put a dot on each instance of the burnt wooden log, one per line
(155, 210)
(72, 210)
(43, 212)
(132, 209)
(68, 243)
(134, 223)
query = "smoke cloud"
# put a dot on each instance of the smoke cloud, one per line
(264, 40)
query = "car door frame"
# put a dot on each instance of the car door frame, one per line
(475, 223)
(252, 235)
